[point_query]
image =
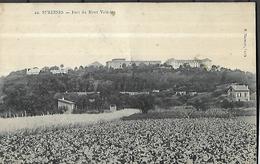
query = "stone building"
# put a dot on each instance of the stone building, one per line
(135, 93)
(121, 63)
(69, 106)
(176, 63)
(239, 92)
(60, 71)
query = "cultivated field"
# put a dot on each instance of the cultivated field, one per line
(8, 125)
(203, 140)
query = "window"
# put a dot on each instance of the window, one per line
(245, 94)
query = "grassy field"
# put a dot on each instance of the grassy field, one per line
(59, 120)
(248, 119)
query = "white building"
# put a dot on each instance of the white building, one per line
(135, 93)
(112, 108)
(60, 71)
(84, 93)
(33, 71)
(192, 93)
(180, 93)
(69, 106)
(156, 91)
(175, 63)
(121, 63)
(239, 92)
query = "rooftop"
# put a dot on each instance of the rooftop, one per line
(187, 60)
(119, 59)
(239, 87)
(66, 101)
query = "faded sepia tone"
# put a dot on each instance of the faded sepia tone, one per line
(134, 31)
(128, 83)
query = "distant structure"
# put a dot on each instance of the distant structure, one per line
(112, 108)
(180, 93)
(175, 63)
(239, 92)
(135, 93)
(96, 64)
(156, 91)
(60, 71)
(192, 93)
(66, 104)
(33, 71)
(83, 93)
(121, 63)
(183, 93)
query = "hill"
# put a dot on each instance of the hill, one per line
(38, 94)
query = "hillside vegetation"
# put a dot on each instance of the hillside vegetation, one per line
(38, 94)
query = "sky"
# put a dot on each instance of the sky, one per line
(222, 32)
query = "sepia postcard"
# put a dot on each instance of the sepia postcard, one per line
(128, 83)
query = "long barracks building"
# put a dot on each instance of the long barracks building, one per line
(121, 63)
(175, 63)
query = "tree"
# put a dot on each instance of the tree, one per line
(144, 102)
(134, 65)
(186, 66)
(200, 104)
(45, 69)
(54, 68)
(214, 68)
(123, 65)
(226, 104)
(81, 67)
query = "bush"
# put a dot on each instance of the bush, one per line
(226, 104)
(144, 102)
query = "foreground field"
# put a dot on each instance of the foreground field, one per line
(59, 120)
(205, 140)
(186, 113)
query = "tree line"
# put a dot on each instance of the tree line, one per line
(38, 94)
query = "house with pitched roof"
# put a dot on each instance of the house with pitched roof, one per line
(69, 106)
(238, 92)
